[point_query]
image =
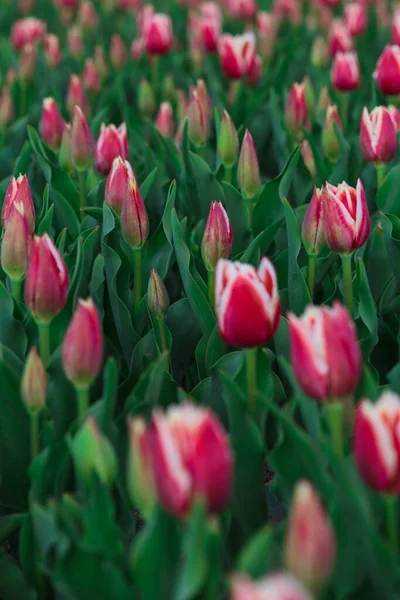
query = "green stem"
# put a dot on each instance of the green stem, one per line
(23, 99)
(34, 434)
(82, 192)
(202, 151)
(83, 400)
(137, 274)
(2, 137)
(16, 288)
(392, 522)
(163, 335)
(334, 418)
(250, 206)
(348, 282)
(155, 73)
(44, 341)
(251, 367)
(211, 288)
(312, 259)
(345, 102)
(380, 175)
(228, 174)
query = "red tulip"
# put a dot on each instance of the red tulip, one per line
(387, 73)
(244, 10)
(165, 120)
(18, 192)
(280, 586)
(312, 233)
(217, 238)
(81, 141)
(26, 31)
(111, 143)
(395, 114)
(378, 135)
(247, 302)
(157, 34)
(16, 244)
(325, 354)
(236, 54)
(117, 183)
(118, 52)
(296, 109)
(87, 16)
(51, 124)
(76, 96)
(210, 25)
(345, 74)
(52, 50)
(134, 218)
(248, 172)
(75, 42)
(90, 77)
(355, 17)
(340, 39)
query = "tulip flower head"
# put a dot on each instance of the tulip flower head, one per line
(279, 586)
(330, 142)
(134, 218)
(112, 142)
(297, 110)
(355, 17)
(18, 193)
(236, 54)
(378, 135)
(340, 39)
(117, 183)
(345, 74)
(34, 382)
(81, 141)
(228, 141)
(157, 34)
(217, 238)
(165, 120)
(16, 244)
(157, 296)
(248, 172)
(387, 73)
(51, 124)
(312, 233)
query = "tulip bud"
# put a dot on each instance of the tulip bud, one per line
(198, 121)
(312, 233)
(248, 171)
(146, 99)
(34, 382)
(81, 141)
(157, 34)
(134, 218)
(319, 53)
(308, 158)
(165, 120)
(345, 74)
(346, 219)
(16, 244)
(296, 110)
(236, 54)
(378, 135)
(82, 352)
(117, 183)
(217, 238)
(6, 107)
(75, 42)
(323, 101)
(140, 478)
(376, 442)
(100, 61)
(330, 142)
(27, 63)
(27, 31)
(387, 73)
(64, 158)
(47, 279)
(51, 124)
(355, 17)
(280, 586)
(18, 193)
(183, 105)
(157, 296)
(92, 452)
(52, 50)
(340, 39)
(136, 49)
(90, 77)
(87, 16)
(76, 96)
(325, 355)
(244, 10)
(238, 285)
(112, 142)
(310, 545)
(118, 52)
(228, 141)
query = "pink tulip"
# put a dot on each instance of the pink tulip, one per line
(378, 135)
(157, 34)
(279, 586)
(387, 73)
(112, 142)
(236, 54)
(345, 74)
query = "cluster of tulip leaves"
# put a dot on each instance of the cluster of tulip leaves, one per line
(55, 533)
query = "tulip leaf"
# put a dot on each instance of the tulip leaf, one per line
(367, 310)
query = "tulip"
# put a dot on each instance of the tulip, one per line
(210, 31)
(93, 453)
(310, 544)
(118, 52)
(164, 122)
(288, 10)
(136, 49)
(90, 77)
(157, 34)
(308, 158)
(323, 101)
(280, 586)
(117, 183)
(112, 142)
(319, 53)
(236, 54)
(378, 135)
(217, 238)
(6, 107)
(228, 144)
(345, 74)
(27, 31)
(330, 141)
(18, 193)
(51, 124)
(198, 120)
(340, 39)
(312, 232)
(146, 99)
(296, 110)
(395, 114)
(255, 70)
(75, 42)
(355, 17)
(244, 10)
(267, 31)
(76, 96)
(100, 61)
(387, 73)
(248, 170)
(87, 16)
(140, 477)
(34, 383)
(134, 219)
(157, 296)
(52, 50)
(27, 67)
(204, 97)
(81, 142)
(16, 247)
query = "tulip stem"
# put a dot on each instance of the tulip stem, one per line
(345, 101)
(250, 206)
(392, 522)
(163, 335)
(137, 274)
(23, 97)
(155, 72)
(211, 288)
(82, 192)
(334, 417)
(202, 150)
(34, 434)
(251, 367)
(44, 341)
(312, 259)
(16, 287)
(228, 174)
(83, 400)
(380, 175)
(348, 282)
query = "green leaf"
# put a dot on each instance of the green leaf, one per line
(9, 524)
(367, 310)
(12, 582)
(253, 558)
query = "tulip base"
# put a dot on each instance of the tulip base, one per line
(83, 400)
(312, 260)
(211, 288)
(34, 434)
(348, 282)
(44, 341)
(392, 521)
(251, 368)
(137, 277)
(16, 288)
(335, 422)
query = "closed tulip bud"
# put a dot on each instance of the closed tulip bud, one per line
(27, 63)
(355, 17)
(236, 54)
(75, 42)
(280, 586)
(134, 218)
(319, 53)
(34, 382)
(64, 158)
(296, 110)
(76, 96)
(228, 141)
(117, 183)
(87, 17)
(396, 28)
(27, 31)
(242, 9)
(47, 279)
(157, 34)
(16, 244)
(51, 124)
(248, 170)
(90, 77)
(157, 296)
(205, 98)
(146, 99)
(198, 121)
(18, 193)
(81, 141)
(52, 50)
(6, 107)
(267, 30)
(82, 351)
(395, 114)
(100, 61)
(217, 238)
(255, 70)
(387, 73)
(323, 101)
(210, 31)
(325, 354)
(238, 285)
(140, 477)
(340, 39)
(112, 142)
(183, 105)
(345, 74)
(376, 443)
(308, 158)
(330, 142)
(345, 216)
(378, 135)
(310, 545)
(93, 453)
(136, 49)
(312, 233)
(165, 120)
(118, 52)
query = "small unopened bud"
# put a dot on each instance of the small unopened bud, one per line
(75, 41)
(134, 218)
(320, 53)
(16, 244)
(118, 52)
(76, 96)
(330, 142)
(52, 50)
(18, 192)
(205, 97)
(34, 382)
(27, 63)
(228, 142)
(217, 238)
(308, 157)
(6, 107)
(90, 77)
(140, 477)
(312, 233)
(87, 16)
(93, 453)
(323, 100)
(81, 143)
(117, 183)
(165, 120)
(248, 170)
(157, 296)
(146, 99)
(51, 124)
(198, 121)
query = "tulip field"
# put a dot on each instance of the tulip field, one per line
(199, 300)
